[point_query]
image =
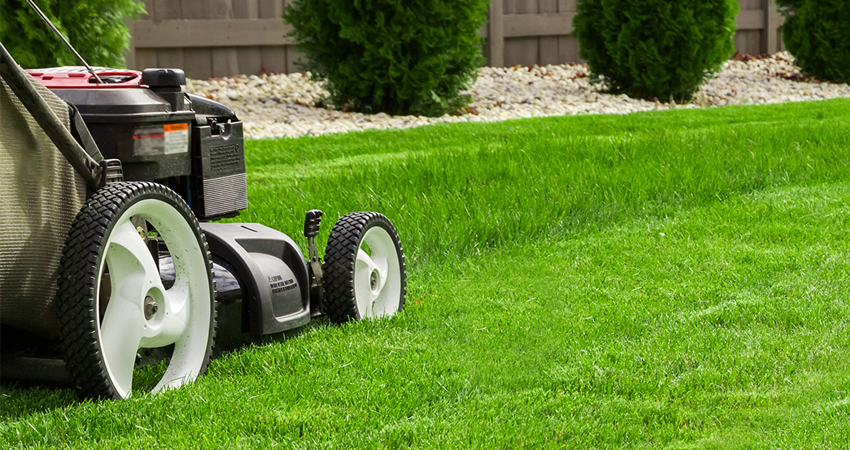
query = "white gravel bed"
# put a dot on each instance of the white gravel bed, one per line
(285, 105)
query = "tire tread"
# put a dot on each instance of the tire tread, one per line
(77, 280)
(340, 256)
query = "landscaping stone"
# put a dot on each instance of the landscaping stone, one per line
(275, 105)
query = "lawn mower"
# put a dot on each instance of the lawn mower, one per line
(111, 184)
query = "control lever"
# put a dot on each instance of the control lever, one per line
(311, 228)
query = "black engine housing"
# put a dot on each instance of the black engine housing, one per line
(160, 133)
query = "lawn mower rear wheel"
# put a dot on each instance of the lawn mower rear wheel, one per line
(112, 302)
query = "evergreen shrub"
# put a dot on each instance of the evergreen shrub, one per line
(95, 28)
(817, 33)
(392, 56)
(662, 49)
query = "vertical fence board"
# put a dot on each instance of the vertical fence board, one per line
(780, 44)
(753, 39)
(245, 9)
(271, 8)
(198, 60)
(567, 45)
(741, 42)
(567, 6)
(148, 14)
(273, 58)
(773, 20)
(198, 63)
(224, 60)
(508, 46)
(528, 6)
(249, 59)
(549, 53)
(166, 9)
(568, 49)
(496, 34)
(749, 42)
(170, 57)
(293, 56)
(167, 57)
(130, 55)
(193, 9)
(219, 9)
(523, 50)
(754, 42)
(144, 57)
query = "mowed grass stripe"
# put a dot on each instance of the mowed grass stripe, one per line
(306, 151)
(694, 296)
(457, 190)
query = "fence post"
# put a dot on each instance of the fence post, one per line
(496, 34)
(772, 20)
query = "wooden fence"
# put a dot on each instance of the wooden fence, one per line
(215, 38)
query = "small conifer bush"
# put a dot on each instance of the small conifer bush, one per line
(817, 33)
(392, 56)
(662, 49)
(95, 28)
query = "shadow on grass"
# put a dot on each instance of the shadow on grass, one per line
(23, 399)
(19, 399)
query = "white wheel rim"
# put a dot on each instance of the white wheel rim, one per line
(183, 311)
(377, 275)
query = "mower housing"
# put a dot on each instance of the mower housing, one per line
(191, 144)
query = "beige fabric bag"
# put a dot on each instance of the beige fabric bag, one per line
(40, 194)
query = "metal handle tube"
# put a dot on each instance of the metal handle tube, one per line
(19, 81)
(64, 39)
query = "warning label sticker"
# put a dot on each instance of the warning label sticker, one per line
(148, 141)
(176, 138)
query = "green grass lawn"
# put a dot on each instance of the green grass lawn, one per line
(672, 279)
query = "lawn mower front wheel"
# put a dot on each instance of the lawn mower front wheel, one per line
(364, 272)
(112, 301)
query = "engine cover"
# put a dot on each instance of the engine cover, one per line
(160, 133)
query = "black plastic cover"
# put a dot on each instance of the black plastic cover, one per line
(206, 107)
(219, 170)
(271, 271)
(163, 77)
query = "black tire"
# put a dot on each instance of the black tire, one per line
(85, 264)
(342, 279)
